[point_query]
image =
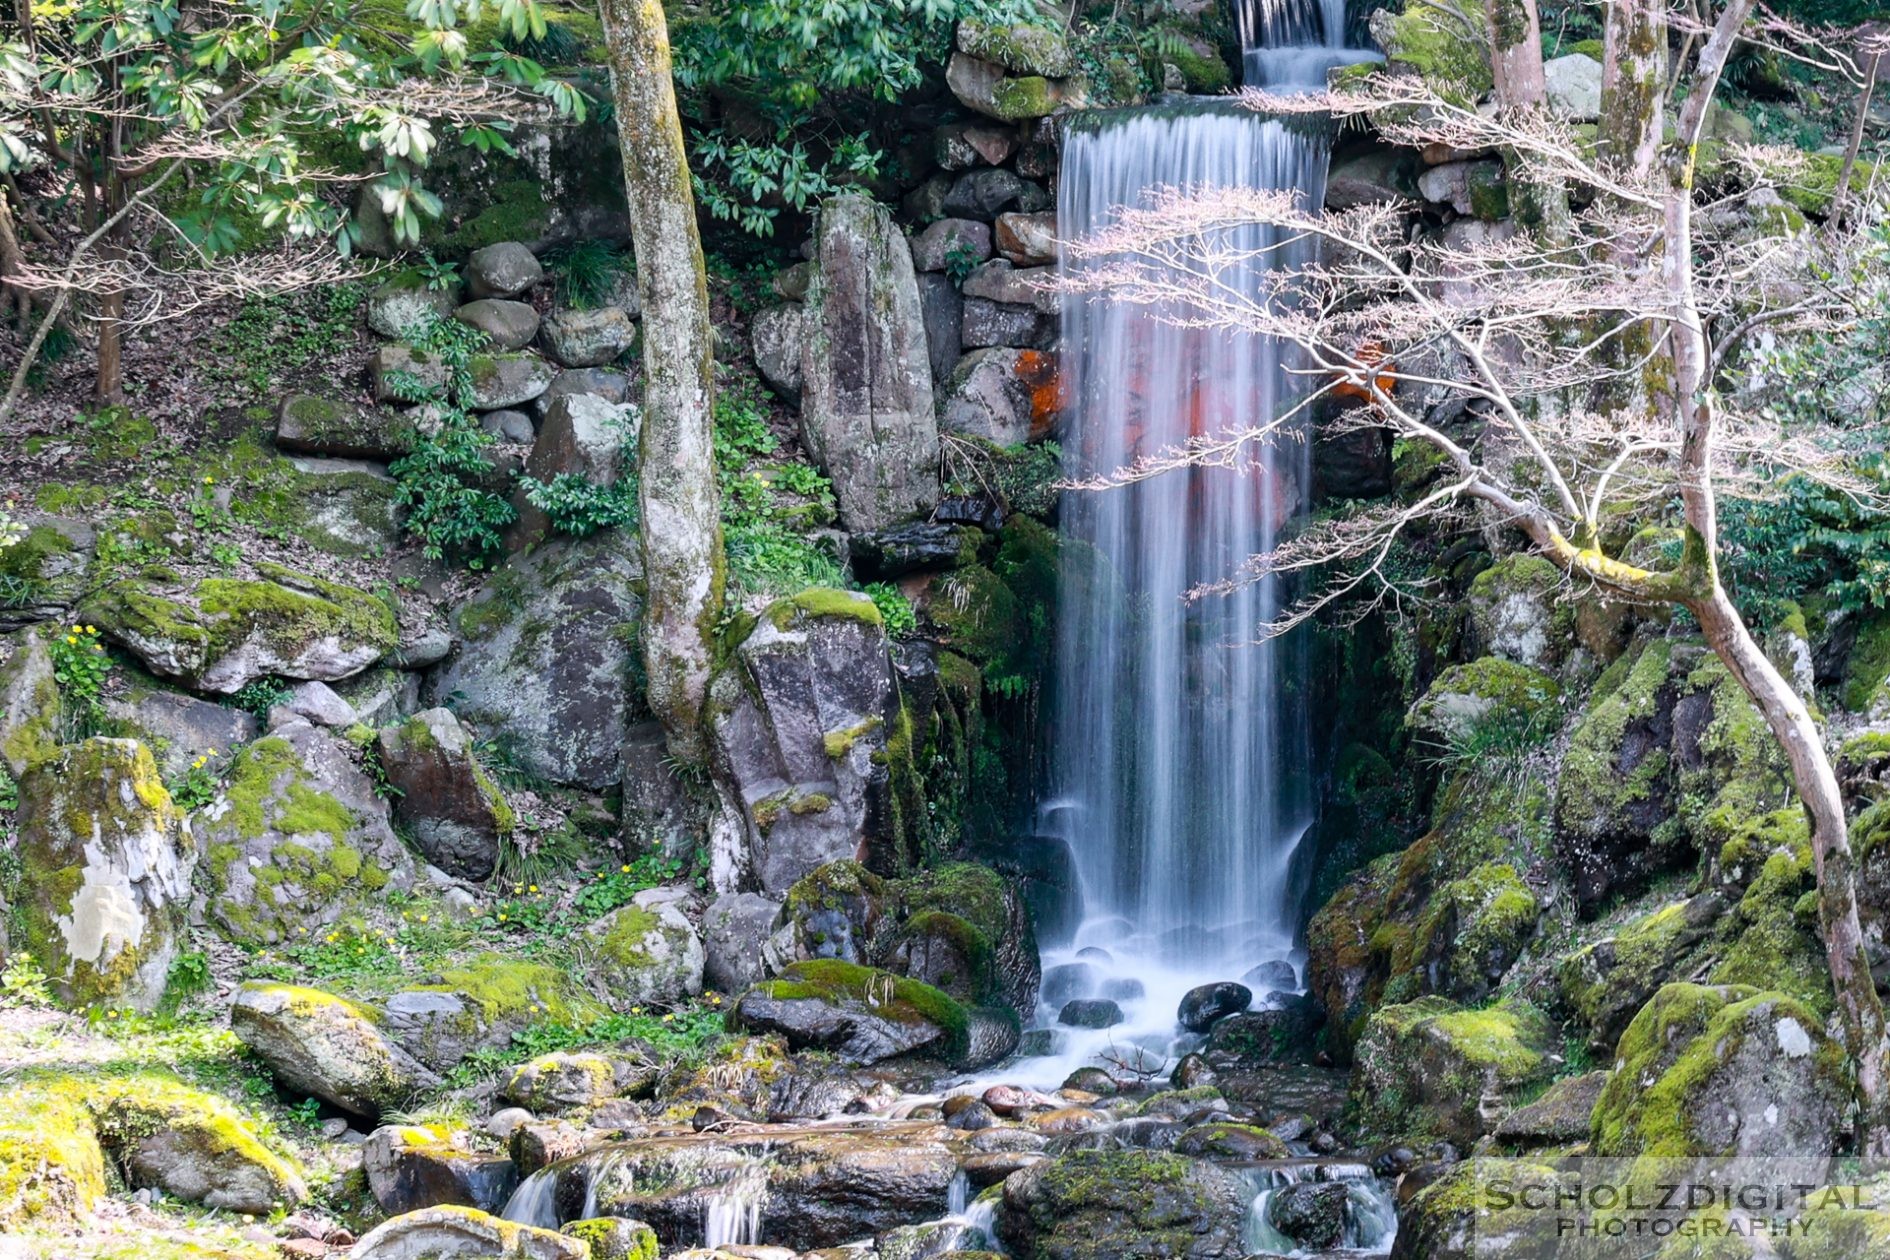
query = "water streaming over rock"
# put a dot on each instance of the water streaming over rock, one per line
(1182, 766)
(1293, 43)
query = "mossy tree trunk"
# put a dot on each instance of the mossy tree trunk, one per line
(682, 533)
(1516, 63)
(1634, 83)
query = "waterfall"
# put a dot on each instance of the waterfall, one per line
(1181, 767)
(1292, 43)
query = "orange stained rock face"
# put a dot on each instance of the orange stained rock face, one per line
(1043, 376)
(1372, 355)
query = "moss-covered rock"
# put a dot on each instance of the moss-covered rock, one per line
(456, 812)
(464, 1231)
(1122, 1205)
(1516, 612)
(614, 1238)
(1867, 672)
(44, 573)
(194, 1146)
(1487, 694)
(554, 1084)
(1604, 984)
(218, 634)
(52, 1170)
(1433, 1068)
(1485, 1208)
(297, 838)
(1043, 50)
(1449, 55)
(1723, 1070)
(106, 860)
(646, 952)
(860, 1013)
(481, 1002)
(318, 1044)
(29, 702)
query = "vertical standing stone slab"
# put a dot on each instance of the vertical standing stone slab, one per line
(866, 410)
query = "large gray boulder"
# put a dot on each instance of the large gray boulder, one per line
(457, 814)
(588, 338)
(507, 325)
(646, 953)
(862, 1014)
(309, 424)
(508, 380)
(463, 1233)
(987, 398)
(180, 728)
(952, 244)
(583, 435)
(737, 931)
(46, 570)
(799, 720)
(1109, 1204)
(29, 702)
(779, 337)
(107, 859)
(217, 634)
(867, 404)
(327, 1047)
(406, 303)
(503, 270)
(1574, 86)
(297, 838)
(410, 1167)
(548, 658)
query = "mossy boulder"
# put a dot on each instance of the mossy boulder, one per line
(218, 634)
(1604, 984)
(1451, 57)
(614, 1238)
(176, 727)
(1432, 1068)
(463, 1231)
(967, 930)
(548, 660)
(1481, 1208)
(309, 424)
(457, 814)
(344, 507)
(194, 1146)
(1516, 612)
(807, 729)
(297, 838)
(414, 1166)
(862, 1014)
(646, 953)
(1723, 1070)
(1866, 687)
(481, 1002)
(1040, 50)
(1487, 694)
(52, 1170)
(321, 1045)
(1670, 759)
(44, 573)
(106, 860)
(29, 702)
(1123, 1205)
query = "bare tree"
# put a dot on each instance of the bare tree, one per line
(682, 532)
(1528, 333)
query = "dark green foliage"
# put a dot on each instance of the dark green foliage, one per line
(441, 484)
(260, 695)
(586, 271)
(580, 508)
(767, 549)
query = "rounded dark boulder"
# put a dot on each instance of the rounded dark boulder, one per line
(1202, 1007)
(1090, 1013)
(1311, 1213)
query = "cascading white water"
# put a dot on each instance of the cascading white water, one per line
(1292, 43)
(1181, 773)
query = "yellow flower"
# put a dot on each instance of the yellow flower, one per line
(668, 1018)
(625, 869)
(70, 639)
(501, 916)
(78, 629)
(90, 630)
(534, 887)
(423, 918)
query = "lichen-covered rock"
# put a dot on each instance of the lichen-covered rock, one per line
(1483, 694)
(779, 337)
(1516, 614)
(1225, 1140)
(1475, 1210)
(984, 86)
(327, 1047)
(1285, 1032)
(297, 837)
(508, 380)
(218, 634)
(1723, 1071)
(463, 1233)
(193, 1146)
(1574, 86)
(29, 702)
(548, 658)
(457, 814)
(345, 507)
(1028, 240)
(588, 338)
(1124, 1205)
(555, 1084)
(1560, 1117)
(503, 270)
(507, 325)
(867, 413)
(1041, 50)
(804, 719)
(397, 373)
(1311, 1213)
(952, 244)
(646, 953)
(410, 1167)
(1452, 57)
(859, 1013)
(963, 928)
(1433, 1068)
(1866, 688)
(988, 397)
(480, 1003)
(312, 425)
(44, 572)
(737, 931)
(106, 859)
(399, 306)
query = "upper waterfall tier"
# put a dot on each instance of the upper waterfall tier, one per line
(1292, 44)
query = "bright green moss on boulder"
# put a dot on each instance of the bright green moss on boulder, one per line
(1426, 1068)
(614, 1238)
(1867, 673)
(1722, 1070)
(29, 702)
(1447, 54)
(51, 1168)
(861, 1013)
(1482, 694)
(1107, 1205)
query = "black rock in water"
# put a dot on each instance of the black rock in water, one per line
(1274, 975)
(1066, 981)
(1090, 1013)
(1203, 1006)
(1311, 1213)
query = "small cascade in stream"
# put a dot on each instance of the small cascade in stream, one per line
(1293, 43)
(535, 1202)
(1368, 1218)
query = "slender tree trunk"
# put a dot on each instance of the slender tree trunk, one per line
(682, 533)
(1785, 713)
(1841, 193)
(14, 302)
(1634, 83)
(1516, 60)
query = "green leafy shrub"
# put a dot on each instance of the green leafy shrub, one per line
(80, 667)
(580, 507)
(259, 695)
(441, 484)
(894, 609)
(586, 272)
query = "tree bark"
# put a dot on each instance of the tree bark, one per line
(1785, 713)
(1634, 84)
(1516, 62)
(681, 522)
